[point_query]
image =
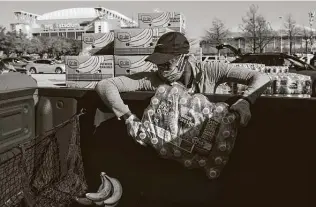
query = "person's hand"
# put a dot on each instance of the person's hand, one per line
(133, 124)
(242, 107)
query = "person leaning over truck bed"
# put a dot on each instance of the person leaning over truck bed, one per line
(174, 65)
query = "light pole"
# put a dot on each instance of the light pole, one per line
(273, 36)
(311, 16)
(254, 34)
(281, 17)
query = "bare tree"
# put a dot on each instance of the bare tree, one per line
(218, 33)
(256, 29)
(2, 30)
(291, 29)
(3, 39)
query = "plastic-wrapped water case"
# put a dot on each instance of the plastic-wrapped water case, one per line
(189, 129)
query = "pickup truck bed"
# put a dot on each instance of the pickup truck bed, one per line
(272, 162)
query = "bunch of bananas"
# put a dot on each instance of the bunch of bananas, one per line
(108, 194)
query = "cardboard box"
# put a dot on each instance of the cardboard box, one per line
(127, 65)
(85, 70)
(135, 41)
(172, 20)
(98, 43)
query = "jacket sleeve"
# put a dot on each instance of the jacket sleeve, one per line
(257, 82)
(109, 89)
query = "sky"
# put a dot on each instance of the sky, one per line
(198, 14)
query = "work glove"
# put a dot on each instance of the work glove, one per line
(133, 125)
(242, 107)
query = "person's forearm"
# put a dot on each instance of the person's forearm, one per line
(110, 95)
(256, 86)
(109, 90)
(257, 82)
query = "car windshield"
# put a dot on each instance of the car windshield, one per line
(20, 60)
(26, 58)
(299, 63)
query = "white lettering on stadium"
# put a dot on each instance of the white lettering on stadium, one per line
(68, 25)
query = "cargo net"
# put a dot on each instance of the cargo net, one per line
(189, 129)
(30, 174)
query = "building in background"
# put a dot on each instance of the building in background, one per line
(237, 40)
(70, 23)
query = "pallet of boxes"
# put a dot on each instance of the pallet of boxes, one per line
(283, 83)
(133, 45)
(122, 51)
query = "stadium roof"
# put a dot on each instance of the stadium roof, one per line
(83, 13)
(73, 13)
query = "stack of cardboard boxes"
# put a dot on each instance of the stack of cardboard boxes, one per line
(132, 46)
(121, 51)
(172, 20)
(86, 70)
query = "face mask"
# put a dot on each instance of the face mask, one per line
(173, 74)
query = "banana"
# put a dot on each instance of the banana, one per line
(104, 40)
(141, 64)
(112, 205)
(141, 41)
(160, 18)
(139, 35)
(88, 202)
(100, 203)
(84, 201)
(104, 192)
(117, 192)
(85, 67)
(161, 21)
(91, 65)
(87, 62)
(102, 180)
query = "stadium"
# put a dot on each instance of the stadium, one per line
(70, 23)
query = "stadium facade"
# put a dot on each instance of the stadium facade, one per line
(70, 23)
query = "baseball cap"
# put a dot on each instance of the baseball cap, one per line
(168, 46)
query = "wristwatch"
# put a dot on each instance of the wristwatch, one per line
(125, 116)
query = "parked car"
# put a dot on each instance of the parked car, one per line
(6, 67)
(307, 58)
(28, 58)
(18, 64)
(45, 66)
